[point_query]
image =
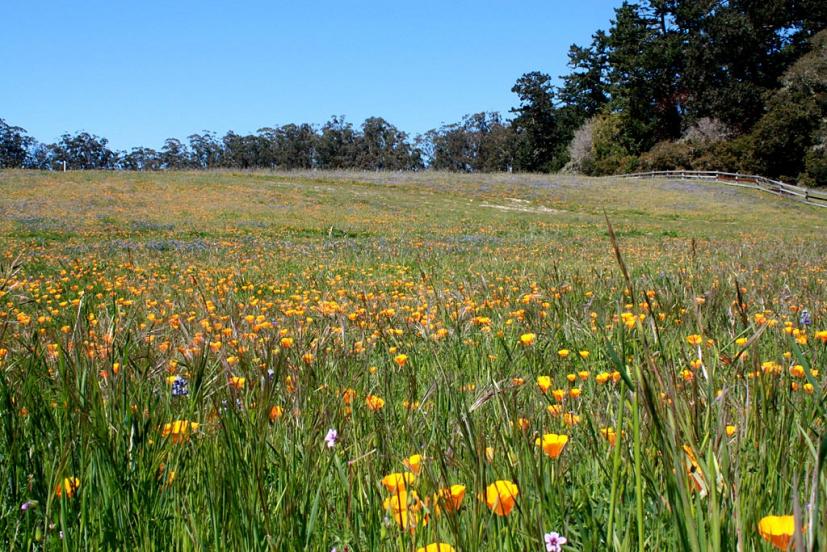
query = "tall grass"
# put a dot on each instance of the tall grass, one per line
(91, 337)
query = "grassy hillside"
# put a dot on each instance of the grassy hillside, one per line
(175, 347)
(87, 204)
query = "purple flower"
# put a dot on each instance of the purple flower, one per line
(554, 542)
(179, 387)
(26, 505)
(331, 438)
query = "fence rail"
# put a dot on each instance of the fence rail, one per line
(809, 196)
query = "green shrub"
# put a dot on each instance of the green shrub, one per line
(815, 166)
(667, 156)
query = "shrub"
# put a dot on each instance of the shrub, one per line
(706, 130)
(815, 165)
(667, 156)
(606, 155)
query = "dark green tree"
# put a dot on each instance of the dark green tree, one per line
(385, 147)
(14, 146)
(646, 62)
(585, 89)
(141, 159)
(174, 155)
(539, 142)
(338, 144)
(206, 150)
(82, 151)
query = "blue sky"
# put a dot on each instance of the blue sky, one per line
(139, 72)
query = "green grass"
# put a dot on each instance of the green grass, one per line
(146, 271)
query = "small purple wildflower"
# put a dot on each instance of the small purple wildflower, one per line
(26, 505)
(331, 438)
(554, 542)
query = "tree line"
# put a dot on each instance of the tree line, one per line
(376, 145)
(734, 85)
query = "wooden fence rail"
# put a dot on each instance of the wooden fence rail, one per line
(756, 182)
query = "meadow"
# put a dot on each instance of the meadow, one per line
(413, 361)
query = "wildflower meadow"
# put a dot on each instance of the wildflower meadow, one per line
(409, 362)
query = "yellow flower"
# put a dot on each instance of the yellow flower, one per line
(348, 395)
(778, 530)
(602, 377)
(694, 339)
(375, 403)
(609, 434)
(275, 413)
(563, 353)
(180, 430)
(584, 354)
(413, 463)
(237, 382)
(286, 342)
(396, 482)
(730, 430)
(544, 383)
(571, 419)
(528, 339)
(501, 497)
(401, 359)
(404, 508)
(436, 547)
(553, 444)
(452, 497)
(69, 487)
(170, 478)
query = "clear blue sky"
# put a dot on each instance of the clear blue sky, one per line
(139, 72)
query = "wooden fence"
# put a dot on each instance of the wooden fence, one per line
(804, 195)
